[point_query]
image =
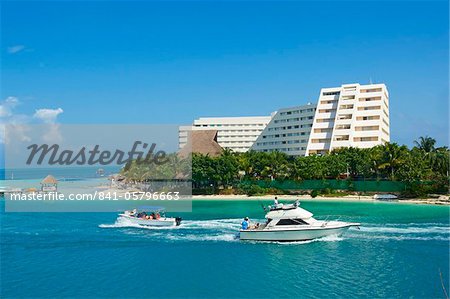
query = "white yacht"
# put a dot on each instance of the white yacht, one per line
(150, 216)
(287, 223)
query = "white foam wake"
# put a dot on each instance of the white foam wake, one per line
(400, 232)
(408, 230)
(218, 224)
(330, 238)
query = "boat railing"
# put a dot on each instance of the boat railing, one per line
(329, 218)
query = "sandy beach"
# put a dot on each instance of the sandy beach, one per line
(281, 197)
(442, 200)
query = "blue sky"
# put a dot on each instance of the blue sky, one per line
(155, 62)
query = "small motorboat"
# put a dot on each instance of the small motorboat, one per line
(289, 222)
(150, 216)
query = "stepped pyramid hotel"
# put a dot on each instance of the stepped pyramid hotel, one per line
(351, 115)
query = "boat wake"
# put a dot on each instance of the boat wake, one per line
(331, 238)
(226, 230)
(411, 231)
(233, 224)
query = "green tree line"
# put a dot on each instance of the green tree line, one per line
(424, 163)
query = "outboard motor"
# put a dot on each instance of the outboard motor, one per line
(178, 220)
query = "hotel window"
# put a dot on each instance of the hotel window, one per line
(324, 120)
(365, 139)
(328, 102)
(367, 128)
(369, 99)
(371, 90)
(326, 110)
(326, 130)
(348, 98)
(342, 138)
(344, 116)
(372, 117)
(346, 107)
(369, 108)
(331, 93)
(342, 127)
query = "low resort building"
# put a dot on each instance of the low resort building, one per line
(235, 133)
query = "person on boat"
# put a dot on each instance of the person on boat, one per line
(275, 202)
(245, 224)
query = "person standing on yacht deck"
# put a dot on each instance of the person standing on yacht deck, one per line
(275, 202)
(245, 224)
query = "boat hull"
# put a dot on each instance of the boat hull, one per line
(291, 235)
(162, 222)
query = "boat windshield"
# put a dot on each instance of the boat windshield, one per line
(297, 221)
(151, 209)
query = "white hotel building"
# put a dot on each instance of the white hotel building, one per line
(235, 133)
(352, 115)
(288, 131)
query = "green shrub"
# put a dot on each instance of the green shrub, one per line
(325, 191)
(226, 191)
(314, 193)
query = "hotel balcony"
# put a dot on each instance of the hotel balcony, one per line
(342, 131)
(371, 94)
(324, 115)
(370, 103)
(341, 143)
(319, 146)
(326, 135)
(324, 125)
(328, 106)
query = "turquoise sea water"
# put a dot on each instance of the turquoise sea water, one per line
(398, 252)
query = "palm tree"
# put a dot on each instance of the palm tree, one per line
(440, 160)
(426, 144)
(392, 157)
(375, 155)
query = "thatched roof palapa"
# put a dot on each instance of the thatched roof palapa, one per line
(202, 142)
(49, 180)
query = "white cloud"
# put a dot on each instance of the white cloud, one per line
(18, 124)
(17, 131)
(48, 116)
(15, 49)
(7, 106)
(52, 134)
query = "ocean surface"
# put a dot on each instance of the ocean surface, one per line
(401, 251)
